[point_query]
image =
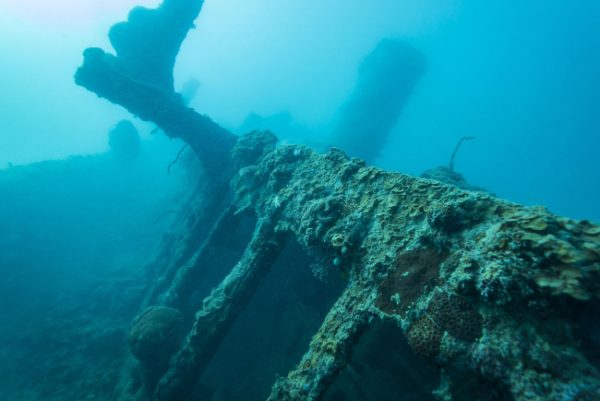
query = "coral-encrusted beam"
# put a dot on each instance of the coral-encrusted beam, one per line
(220, 311)
(140, 78)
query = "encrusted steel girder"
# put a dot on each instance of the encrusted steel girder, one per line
(140, 78)
(477, 284)
(220, 310)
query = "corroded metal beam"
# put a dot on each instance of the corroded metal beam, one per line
(220, 311)
(485, 287)
(329, 349)
(140, 78)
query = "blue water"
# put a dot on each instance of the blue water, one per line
(521, 77)
(81, 224)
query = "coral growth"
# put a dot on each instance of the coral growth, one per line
(445, 313)
(456, 315)
(154, 331)
(425, 337)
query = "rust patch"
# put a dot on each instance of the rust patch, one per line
(415, 271)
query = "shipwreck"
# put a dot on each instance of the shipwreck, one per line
(491, 294)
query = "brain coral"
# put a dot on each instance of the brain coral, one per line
(153, 331)
(445, 312)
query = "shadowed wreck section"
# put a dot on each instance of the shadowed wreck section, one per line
(490, 293)
(386, 79)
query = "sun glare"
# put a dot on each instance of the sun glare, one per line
(71, 12)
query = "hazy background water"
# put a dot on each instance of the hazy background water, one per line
(523, 77)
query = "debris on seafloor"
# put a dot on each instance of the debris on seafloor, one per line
(491, 293)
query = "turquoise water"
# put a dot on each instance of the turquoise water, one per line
(87, 216)
(521, 77)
